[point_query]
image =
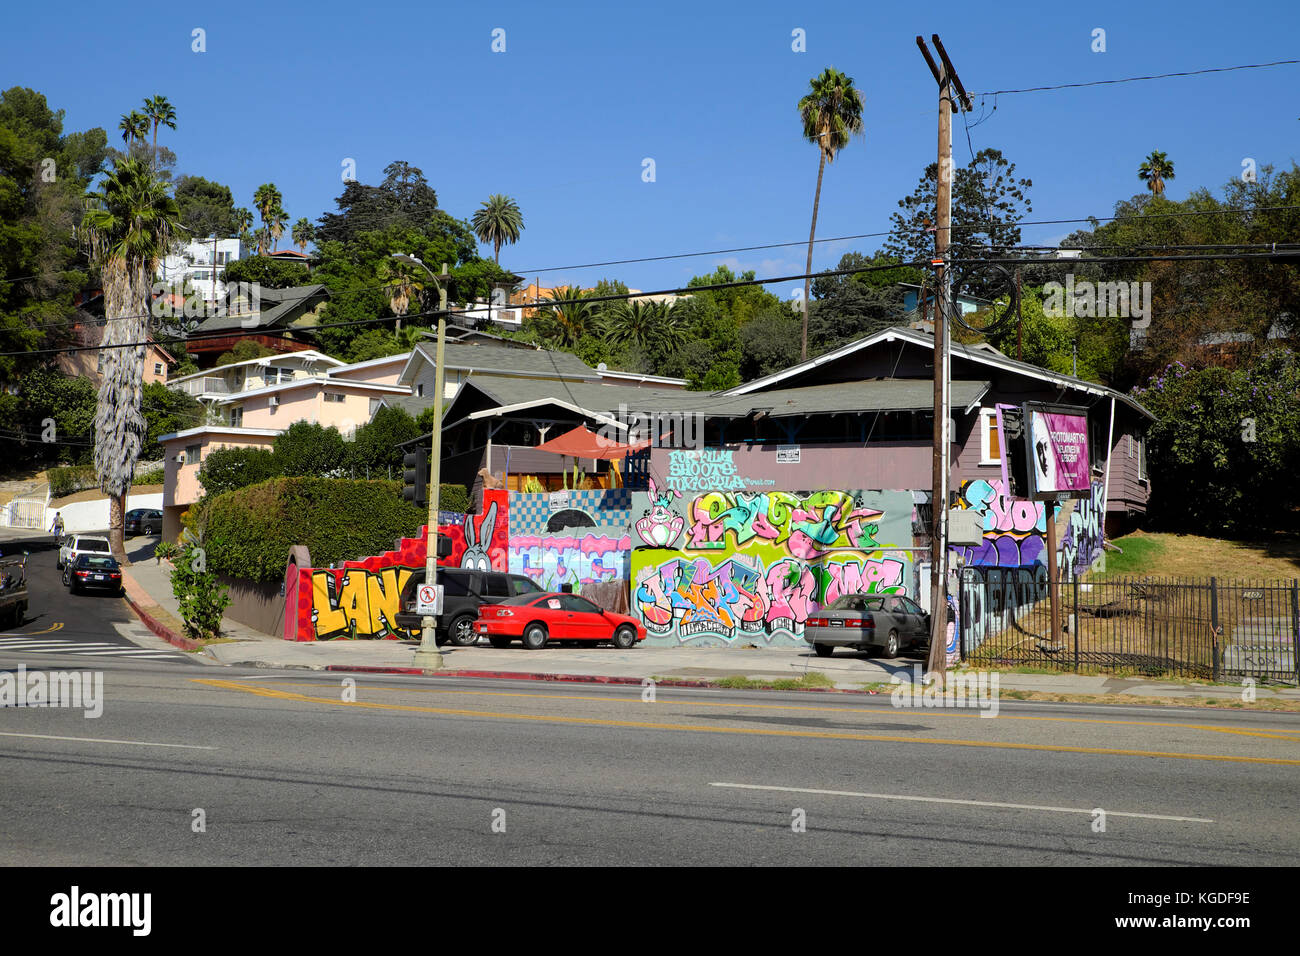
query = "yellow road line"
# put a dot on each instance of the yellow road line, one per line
(58, 625)
(262, 690)
(1268, 733)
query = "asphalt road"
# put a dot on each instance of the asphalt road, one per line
(302, 768)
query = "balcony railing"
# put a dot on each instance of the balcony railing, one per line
(199, 387)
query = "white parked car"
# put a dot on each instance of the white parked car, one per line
(76, 544)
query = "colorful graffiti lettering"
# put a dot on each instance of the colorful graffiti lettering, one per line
(557, 560)
(1014, 530)
(1085, 537)
(741, 596)
(806, 525)
(355, 602)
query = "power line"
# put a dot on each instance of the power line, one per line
(1138, 79)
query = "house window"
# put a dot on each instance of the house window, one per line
(990, 447)
(419, 390)
(236, 417)
(193, 453)
(1142, 458)
(374, 406)
(334, 397)
(157, 368)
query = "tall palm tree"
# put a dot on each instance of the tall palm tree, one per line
(650, 326)
(1155, 170)
(303, 233)
(266, 200)
(134, 127)
(243, 223)
(498, 221)
(128, 226)
(160, 113)
(404, 281)
(832, 113)
(568, 307)
(279, 219)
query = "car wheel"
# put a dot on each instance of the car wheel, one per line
(535, 637)
(891, 644)
(624, 638)
(462, 632)
(824, 650)
(499, 642)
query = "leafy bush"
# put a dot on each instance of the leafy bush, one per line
(155, 476)
(375, 445)
(453, 498)
(248, 532)
(202, 597)
(70, 480)
(165, 550)
(310, 450)
(227, 469)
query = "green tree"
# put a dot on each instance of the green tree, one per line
(373, 452)
(1155, 169)
(310, 450)
(303, 233)
(128, 228)
(988, 202)
(160, 113)
(498, 221)
(279, 219)
(266, 200)
(226, 469)
(166, 410)
(831, 113)
(134, 127)
(268, 273)
(243, 351)
(207, 208)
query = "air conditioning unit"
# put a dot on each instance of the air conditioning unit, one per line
(274, 401)
(180, 459)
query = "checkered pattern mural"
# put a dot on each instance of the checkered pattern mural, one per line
(531, 514)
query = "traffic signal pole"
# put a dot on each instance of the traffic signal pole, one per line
(428, 656)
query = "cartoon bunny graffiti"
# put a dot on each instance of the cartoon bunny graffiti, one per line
(476, 548)
(660, 527)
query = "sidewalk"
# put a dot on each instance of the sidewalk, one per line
(148, 586)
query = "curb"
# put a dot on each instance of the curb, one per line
(156, 626)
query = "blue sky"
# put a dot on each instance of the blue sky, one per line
(583, 93)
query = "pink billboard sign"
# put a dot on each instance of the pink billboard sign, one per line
(1059, 459)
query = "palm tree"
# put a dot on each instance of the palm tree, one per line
(303, 233)
(134, 126)
(650, 326)
(128, 226)
(404, 281)
(567, 306)
(279, 219)
(498, 221)
(243, 223)
(1155, 170)
(266, 200)
(160, 113)
(831, 112)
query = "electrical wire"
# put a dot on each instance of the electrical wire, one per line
(1138, 79)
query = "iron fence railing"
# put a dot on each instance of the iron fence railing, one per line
(1211, 629)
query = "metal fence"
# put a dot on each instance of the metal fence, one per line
(1211, 629)
(24, 513)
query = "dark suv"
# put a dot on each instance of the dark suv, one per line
(143, 521)
(463, 591)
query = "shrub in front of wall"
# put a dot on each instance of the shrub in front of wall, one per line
(67, 481)
(453, 498)
(248, 532)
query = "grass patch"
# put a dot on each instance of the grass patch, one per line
(1189, 555)
(1142, 555)
(739, 682)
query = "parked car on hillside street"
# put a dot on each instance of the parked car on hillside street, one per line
(143, 521)
(465, 590)
(77, 544)
(536, 619)
(99, 572)
(886, 622)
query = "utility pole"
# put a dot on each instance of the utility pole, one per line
(946, 78)
(428, 656)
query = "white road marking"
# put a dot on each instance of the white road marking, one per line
(101, 740)
(964, 803)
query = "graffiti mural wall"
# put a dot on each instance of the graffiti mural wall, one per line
(718, 567)
(572, 559)
(361, 599)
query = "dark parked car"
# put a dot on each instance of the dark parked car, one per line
(143, 521)
(887, 622)
(464, 591)
(93, 571)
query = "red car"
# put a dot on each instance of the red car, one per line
(538, 618)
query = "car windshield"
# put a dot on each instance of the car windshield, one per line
(97, 562)
(857, 602)
(92, 544)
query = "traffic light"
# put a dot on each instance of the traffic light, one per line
(415, 477)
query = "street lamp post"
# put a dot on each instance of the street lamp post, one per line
(428, 656)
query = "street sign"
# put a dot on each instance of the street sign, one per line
(428, 599)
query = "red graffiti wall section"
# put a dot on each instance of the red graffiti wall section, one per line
(361, 599)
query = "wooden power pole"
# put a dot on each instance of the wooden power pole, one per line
(946, 77)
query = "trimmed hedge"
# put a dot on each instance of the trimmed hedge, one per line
(453, 498)
(248, 532)
(70, 480)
